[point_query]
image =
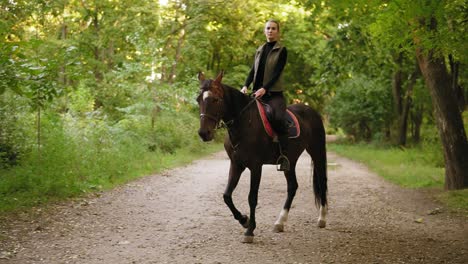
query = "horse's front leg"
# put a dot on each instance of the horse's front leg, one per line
(235, 172)
(255, 176)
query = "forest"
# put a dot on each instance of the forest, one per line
(93, 92)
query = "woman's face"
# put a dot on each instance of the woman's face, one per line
(271, 31)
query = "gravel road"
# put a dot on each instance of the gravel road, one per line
(179, 217)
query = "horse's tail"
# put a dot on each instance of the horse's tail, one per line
(318, 151)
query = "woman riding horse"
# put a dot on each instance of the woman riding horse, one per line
(266, 75)
(249, 146)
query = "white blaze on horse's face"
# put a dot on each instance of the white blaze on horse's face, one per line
(207, 94)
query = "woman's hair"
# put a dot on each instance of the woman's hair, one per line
(274, 21)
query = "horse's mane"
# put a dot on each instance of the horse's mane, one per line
(235, 95)
(231, 90)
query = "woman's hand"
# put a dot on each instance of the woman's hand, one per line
(259, 93)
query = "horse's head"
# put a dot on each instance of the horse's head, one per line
(210, 102)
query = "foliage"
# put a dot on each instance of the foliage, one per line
(402, 18)
(16, 138)
(82, 155)
(101, 84)
(361, 107)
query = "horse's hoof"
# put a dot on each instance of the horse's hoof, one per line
(278, 228)
(248, 239)
(321, 223)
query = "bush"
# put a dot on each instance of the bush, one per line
(361, 107)
(16, 129)
(81, 153)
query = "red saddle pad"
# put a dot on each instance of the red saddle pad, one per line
(294, 129)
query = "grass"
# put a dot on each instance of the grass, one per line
(406, 167)
(80, 159)
(30, 191)
(457, 200)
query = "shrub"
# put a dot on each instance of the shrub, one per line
(361, 107)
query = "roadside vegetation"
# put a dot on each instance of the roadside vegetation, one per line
(85, 155)
(417, 167)
(96, 93)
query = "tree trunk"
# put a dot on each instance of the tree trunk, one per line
(403, 128)
(62, 74)
(448, 118)
(38, 131)
(178, 53)
(97, 71)
(110, 55)
(407, 104)
(212, 61)
(417, 118)
(457, 89)
(397, 84)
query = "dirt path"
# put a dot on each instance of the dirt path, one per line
(180, 217)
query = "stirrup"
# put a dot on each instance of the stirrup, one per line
(282, 163)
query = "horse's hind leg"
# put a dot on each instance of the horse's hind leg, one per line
(322, 221)
(235, 172)
(292, 187)
(317, 151)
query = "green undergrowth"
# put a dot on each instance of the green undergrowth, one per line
(78, 158)
(25, 187)
(458, 200)
(416, 167)
(20, 190)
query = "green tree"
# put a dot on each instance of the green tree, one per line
(428, 31)
(434, 30)
(361, 107)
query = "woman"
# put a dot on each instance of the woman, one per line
(266, 76)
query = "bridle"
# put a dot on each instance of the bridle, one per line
(217, 118)
(219, 123)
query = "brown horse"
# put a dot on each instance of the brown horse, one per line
(248, 146)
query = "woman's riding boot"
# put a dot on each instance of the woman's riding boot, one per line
(283, 160)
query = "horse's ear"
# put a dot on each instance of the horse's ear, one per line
(201, 76)
(217, 86)
(220, 77)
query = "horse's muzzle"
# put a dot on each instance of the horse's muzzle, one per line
(205, 135)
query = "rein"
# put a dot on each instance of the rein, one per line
(230, 122)
(220, 123)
